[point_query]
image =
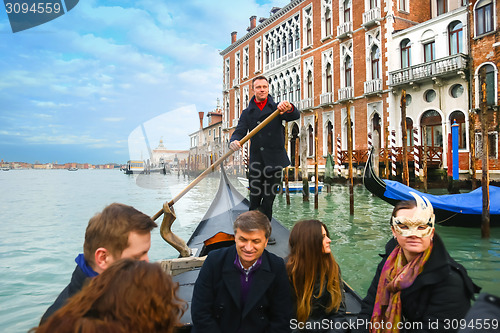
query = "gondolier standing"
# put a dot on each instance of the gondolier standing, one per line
(268, 156)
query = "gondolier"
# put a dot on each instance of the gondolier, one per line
(267, 150)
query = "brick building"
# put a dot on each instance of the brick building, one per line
(485, 54)
(354, 58)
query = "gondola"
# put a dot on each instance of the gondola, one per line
(216, 230)
(459, 210)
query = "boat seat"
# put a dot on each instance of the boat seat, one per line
(177, 266)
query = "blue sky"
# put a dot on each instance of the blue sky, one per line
(75, 88)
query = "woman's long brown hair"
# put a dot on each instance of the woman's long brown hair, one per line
(129, 296)
(308, 264)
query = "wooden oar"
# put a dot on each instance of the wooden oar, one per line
(212, 167)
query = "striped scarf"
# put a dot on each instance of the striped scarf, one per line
(396, 275)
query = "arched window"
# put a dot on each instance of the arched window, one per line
(347, 11)
(455, 34)
(328, 22)
(297, 91)
(277, 95)
(432, 120)
(348, 70)
(329, 137)
(484, 16)
(409, 132)
(278, 48)
(375, 58)
(310, 141)
(328, 76)
(290, 91)
(297, 39)
(308, 33)
(309, 85)
(490, 84)
(459, 118)
(405, 53)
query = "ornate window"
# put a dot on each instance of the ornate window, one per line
(348, 71)
(455, 33)
(405, 53)
(347, 11)
(375, 59)
(484, 16)
(459, 118)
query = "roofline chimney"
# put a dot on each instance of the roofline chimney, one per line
(233, 37)
(200, 114)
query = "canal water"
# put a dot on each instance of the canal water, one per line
(44, 213)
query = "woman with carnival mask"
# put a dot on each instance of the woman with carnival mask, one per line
(418, 287)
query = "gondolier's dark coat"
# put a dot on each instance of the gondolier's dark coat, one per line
(267, 146)
(216, 303)
(441, 293)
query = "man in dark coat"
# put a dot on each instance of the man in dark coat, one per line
(119, 231)
(267, 150)
(440, 295)
(243, 288)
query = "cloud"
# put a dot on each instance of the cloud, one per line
(106, 67)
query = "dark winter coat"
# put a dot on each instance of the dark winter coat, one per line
(216, 304)
(78, 280)
(268, 145)
(440, 294)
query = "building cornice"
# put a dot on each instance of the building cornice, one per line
(261, 26)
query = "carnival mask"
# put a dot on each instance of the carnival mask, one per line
(420, 224)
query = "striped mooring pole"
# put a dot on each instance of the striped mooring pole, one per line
(393, 152)
(416, 159)
(339, 151)
(370, 143)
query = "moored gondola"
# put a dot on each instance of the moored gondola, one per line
(216, 231)
(460, 210)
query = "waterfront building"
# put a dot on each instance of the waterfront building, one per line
(354, 58)
(206, 144)
(485, 54)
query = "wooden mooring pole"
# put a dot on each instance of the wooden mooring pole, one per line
(349, 157)
(287, 189)
(406, 172)
(316, 160)
(485, 180)
(424, 156)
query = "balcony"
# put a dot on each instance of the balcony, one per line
(373, 87)
(306, 104)
(225, 87)
(346, 93)
(371, 17)
(282, 60)
(326, 98)
(225, 125)
(236, 82)
(344, 30)
(448, 66)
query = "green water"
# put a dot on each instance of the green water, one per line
(44, 213)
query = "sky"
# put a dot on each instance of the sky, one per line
(75, 88)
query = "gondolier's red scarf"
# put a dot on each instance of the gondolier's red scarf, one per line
(263, 103)
(396, 275)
